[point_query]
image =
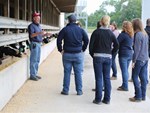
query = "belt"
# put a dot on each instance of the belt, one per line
(72, 51)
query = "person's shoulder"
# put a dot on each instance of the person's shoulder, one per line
(63, 29)
(95, 31)
(138, 33)
(31, 24)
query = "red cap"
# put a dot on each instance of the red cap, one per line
(36, 14)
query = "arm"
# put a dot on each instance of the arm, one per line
(120, 38)
(59, 40)
(33, 34)
(92, 40)
(115, 45)
(37, 33)
(85, 41)
(137, 46)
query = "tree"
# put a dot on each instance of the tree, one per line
(95, 17)
(124, 10)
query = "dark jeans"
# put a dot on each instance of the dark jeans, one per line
(113, 66)
(140, 72)
(124, 65)
(102, 68)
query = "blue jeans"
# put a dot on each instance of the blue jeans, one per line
(102, 68)
(140, 71)
(114, 67)
(35, 52)
(74, 61)
(124, 65)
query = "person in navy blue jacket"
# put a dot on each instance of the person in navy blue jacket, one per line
(75, 41)
(125, 53)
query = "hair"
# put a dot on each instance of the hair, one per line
(105, 20)
(148, 22)
(114, 24)
(128, 28)
(79, 23)
(138, 26)
(98, 24)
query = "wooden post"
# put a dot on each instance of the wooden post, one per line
(16, 9)
(6, 13)
(41, 2)
(6, 8)
(25, 10)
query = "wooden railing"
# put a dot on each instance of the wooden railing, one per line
(20, 27)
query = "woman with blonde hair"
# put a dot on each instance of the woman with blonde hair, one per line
(100, 49)
(139, 61)
(125, 53)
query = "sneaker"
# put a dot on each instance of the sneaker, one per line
(133, 99)
(38, 77)
(34, 78)
(143, 99)
(95, 102)
(64, 93)
(122, 89)
(106, 102)
(113, 78)
(80, 93)
(93, 89)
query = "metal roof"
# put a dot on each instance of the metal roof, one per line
(66, 6)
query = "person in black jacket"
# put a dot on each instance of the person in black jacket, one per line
(101, 51)
(75, 41)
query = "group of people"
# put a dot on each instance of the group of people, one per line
(105, 43)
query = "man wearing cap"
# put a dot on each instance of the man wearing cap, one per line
(35, 36)
(75, 41)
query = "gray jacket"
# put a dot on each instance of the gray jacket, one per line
(140, 47)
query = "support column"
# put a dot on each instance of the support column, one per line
(145, 12)
(6, 8)
(6, 13)
(16, 9)
(25, 10)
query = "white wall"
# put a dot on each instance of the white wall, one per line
(145, 11)
(14, 76)
(62, 20)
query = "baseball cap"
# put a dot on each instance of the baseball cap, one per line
(36, 14)
(72, 18)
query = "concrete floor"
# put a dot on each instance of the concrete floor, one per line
(44, 96)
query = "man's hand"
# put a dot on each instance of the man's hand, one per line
(48, 34)
(43, 33)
